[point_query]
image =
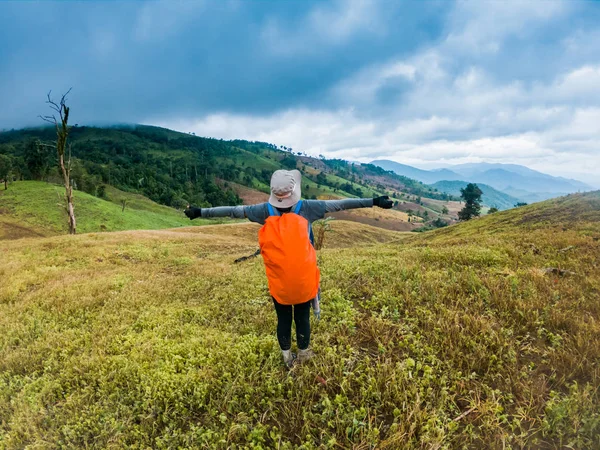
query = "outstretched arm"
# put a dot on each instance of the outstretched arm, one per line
(353, 203)
(316, 209)
(235, 212)
(255, 213)
(347, 203)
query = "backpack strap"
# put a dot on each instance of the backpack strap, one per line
(272, 211)
(298, 206)
(311, 235)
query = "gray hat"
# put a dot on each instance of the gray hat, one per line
(285, 188)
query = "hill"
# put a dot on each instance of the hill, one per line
(517, 181)
(174, 168)
(477, 334)
(35, 208)
(491, 197)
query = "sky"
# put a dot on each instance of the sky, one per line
(427, 83)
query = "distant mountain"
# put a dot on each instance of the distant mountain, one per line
(505, 176)
(491, 197)
(529, 197)
(517, 181)
(424, 176)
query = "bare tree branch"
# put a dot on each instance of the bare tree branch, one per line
(49, 119)
(58, 107)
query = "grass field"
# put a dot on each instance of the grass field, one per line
(458, 338)
(30, 208)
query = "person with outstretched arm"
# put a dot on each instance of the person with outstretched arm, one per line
(286, 245)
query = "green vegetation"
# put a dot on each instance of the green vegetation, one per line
(5, 169)
(461, 337)
(40, 206)
(174, 168)
(472, 197)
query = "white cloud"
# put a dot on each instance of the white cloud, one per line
(363, 86)
(482, 26)
(450, 107)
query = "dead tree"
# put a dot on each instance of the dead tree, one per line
(62, 133)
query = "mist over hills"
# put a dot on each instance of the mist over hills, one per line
(515, 180)
(491, 197)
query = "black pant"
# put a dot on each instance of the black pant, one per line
(301, 314)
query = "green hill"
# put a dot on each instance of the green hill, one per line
(491, 197)
(31, 208)
(174, 168)
(478, 335)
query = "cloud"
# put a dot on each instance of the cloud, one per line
(324, 26)
(437, 110)
(483, 26)
(419, 82)
(161, 20)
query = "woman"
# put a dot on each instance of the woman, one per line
(286, 246)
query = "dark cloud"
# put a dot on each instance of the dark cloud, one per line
(128, 61)
(418, 82)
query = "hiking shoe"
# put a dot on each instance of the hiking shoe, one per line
(305, 355)
(289, 358)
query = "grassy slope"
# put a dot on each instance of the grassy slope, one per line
(454, 338)
(38, 207)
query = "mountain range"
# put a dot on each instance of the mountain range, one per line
(491, 197)
(520, 182)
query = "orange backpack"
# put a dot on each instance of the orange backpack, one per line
(289, 256)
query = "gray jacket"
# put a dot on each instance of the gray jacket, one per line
(311, 209)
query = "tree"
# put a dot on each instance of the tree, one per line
(38, 159)
(471, 194)
(493, 210)
(5, 168)
(439, 223)
(289, 162)
(444, 210)
(518, 205)
(62, 134)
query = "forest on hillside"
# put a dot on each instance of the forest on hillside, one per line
(175, 168)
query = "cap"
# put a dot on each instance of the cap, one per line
(285, 188)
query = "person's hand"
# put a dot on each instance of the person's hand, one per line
(192, 212)
(383, 202)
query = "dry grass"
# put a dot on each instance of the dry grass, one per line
(387, 219)
(450, 339)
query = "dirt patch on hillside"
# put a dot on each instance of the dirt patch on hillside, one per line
(437, 205)
(410, 206)
(385, 223)
(9, 230)
(248, 195)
